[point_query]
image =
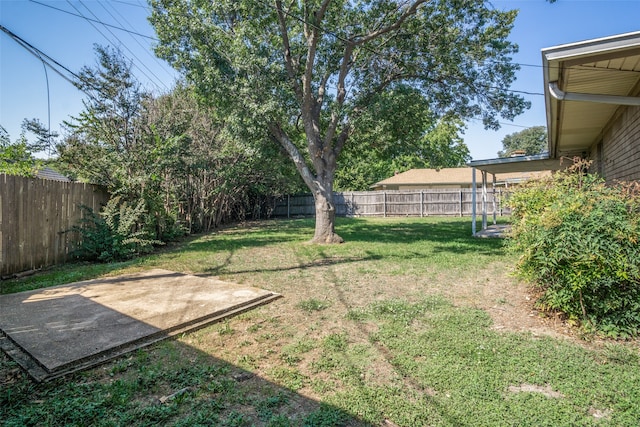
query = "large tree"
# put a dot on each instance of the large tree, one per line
(172, 152)
(306, 71)
(529, 141)
(385, 142)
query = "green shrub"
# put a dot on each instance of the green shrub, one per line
(117, 233)
(579, 243)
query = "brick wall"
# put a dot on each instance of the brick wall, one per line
(621, 148)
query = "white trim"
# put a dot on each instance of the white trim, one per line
(560, 95)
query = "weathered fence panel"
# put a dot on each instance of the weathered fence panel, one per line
(420, 203)
(34, 213)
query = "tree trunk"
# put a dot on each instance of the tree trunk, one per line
(321, 185)
(325, 218)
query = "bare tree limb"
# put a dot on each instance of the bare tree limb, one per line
(294, 153)
(335, 117)
(288, 61)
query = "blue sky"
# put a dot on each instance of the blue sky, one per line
(70, 39)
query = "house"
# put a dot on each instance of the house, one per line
(446, 178)
(592, 95)
(592, 100)
(48, 173)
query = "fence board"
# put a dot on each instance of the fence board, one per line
(34, 213)
(450, 202)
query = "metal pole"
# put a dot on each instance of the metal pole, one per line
(484, 200)
(494, 199)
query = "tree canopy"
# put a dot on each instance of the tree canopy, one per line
(307, 72)
(18, 158)
(170, 152)
(529, 142)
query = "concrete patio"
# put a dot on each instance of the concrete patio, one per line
(54, 331)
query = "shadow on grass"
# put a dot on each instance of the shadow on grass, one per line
(170, 383)
(444, 234)
(253, 235)
(323, 262)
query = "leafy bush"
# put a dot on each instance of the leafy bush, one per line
(579, 243)
(116, 234)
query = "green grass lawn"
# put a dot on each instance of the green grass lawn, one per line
(394, 325)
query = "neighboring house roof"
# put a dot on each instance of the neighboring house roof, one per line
(520, 164)
(449, 176)
(603, 72)
(48, 173)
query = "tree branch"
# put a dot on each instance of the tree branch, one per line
(335, 117)
(407, 13)
(341, 140)
(294, 154)
(288, 60)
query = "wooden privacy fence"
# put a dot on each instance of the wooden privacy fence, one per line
(34, 214)
(436, 202)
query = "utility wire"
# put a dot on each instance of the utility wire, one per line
(96, 21)
(146, 49)
(130, 4)
(52, 63)
(155, 83)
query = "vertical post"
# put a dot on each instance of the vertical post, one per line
(288, 206)
(460, 199)
(473, 201)
(353, 209)
(484, 200)
(421, 203)
(494, 199)
(384, 204)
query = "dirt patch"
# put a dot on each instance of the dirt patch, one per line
(532, 388)
(510, 304)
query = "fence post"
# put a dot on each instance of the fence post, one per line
(460, 193)
(384, 205)
(421, 203)
(288, 206)
(352, 208)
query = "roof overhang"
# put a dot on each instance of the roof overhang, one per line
(540, 162)
(585, 84)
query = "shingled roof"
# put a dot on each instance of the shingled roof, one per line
(449, 176)
(48, 173)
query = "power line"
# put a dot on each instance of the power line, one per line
(155, 83)
(40, 54)
(52, 64)
(144, 48)
(130, 4)
(155, 80)
(96, 21)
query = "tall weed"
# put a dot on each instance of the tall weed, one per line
(117, 233)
